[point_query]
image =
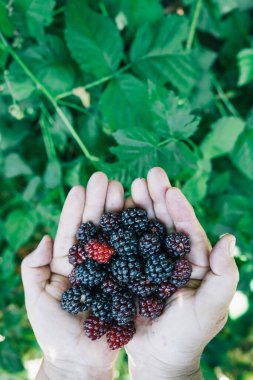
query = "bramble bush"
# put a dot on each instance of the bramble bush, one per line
(121, 86)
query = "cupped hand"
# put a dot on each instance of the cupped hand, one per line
(170, 347)
(68, 353)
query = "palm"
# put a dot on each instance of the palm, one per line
(175, 336)
(58, 333)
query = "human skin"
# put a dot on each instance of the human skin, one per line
(169, 348)
(68, 353)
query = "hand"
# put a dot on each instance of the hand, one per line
(68, 353)
(170, 347)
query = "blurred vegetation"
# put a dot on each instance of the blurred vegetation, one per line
(120, 86)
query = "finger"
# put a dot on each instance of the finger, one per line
(35, 269)
(115, 197)
(129, 203)
(95, 197)
(70, 220)
(158, 184)
(185, 220)
(141, 196)
(219, 284)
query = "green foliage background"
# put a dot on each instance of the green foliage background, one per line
(120, 86)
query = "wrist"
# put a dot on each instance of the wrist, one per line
(158, 371)
(71, 371)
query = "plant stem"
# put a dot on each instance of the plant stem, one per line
(95, 83)
(224, 97)
(51, 99)
(193, 26)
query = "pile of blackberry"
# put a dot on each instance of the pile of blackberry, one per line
(126, 265)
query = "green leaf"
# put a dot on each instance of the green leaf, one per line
(6, 24)
(245, 63)
(138, 12)
(93, 39)
(172, 116)
(53, 175)
(14, 166)
(31, 189)
(50, 62)
(124, 103)
(19, 227)
(157, 54)
(242, 155)
(39, 14)
(221, 140)
(7, 264)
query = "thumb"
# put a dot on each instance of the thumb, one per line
(35, 269)
(219, 285)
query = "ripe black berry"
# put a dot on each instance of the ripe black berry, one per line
(181, 273)
(86, 232)
(135, 219)
(165, 290)
(177, 244)
(124, 242)
(151, 307)
(110, 222)
(76, 299)
(111, 286)
(90, 273)
(125, 269)
(149, 244)
(142, 287)
(123, 308)
(76, 254)
(158, 268)
(157, 228)
(102, 307)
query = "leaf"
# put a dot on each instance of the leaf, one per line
(19, 227)
(7, 264)
(140, 149)
(53, 175)
(138, 12)
(195, 188)
(31, 189)
(222, 138)
(124, 103)
(157, 54)
(5, 21)
(93, 39)
(172, 116)
(245, 64)
(242, 155)
(39, 14)
(14, 166)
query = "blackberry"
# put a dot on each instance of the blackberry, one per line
(72, 277)
(110, 221)
(90, 273)
(118, 336)
(135, 219)
(102, 307)
(100, 252)
(124, 242)
(157, 228)
(142, 287)
(177, 244)
(165, 290)
(76, 299)
(158, 268)
(151, 307)
(94, 328)
(123, 308)
(76, 254)
(86, 232)
(125, 269)
(181, 273)
(110, 286)
(149, 244)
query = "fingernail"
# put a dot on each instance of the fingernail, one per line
(232, 247)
